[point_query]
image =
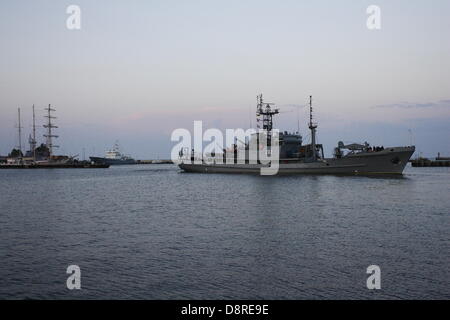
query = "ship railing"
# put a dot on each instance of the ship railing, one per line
(210, 159)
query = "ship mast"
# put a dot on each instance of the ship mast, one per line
(20, 131)
(33, 143)
(312, 127)
(264, 109)
(49, 126)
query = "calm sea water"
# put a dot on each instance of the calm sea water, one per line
(151, 232)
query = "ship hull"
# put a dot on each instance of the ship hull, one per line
(112, 162)
(389, 161)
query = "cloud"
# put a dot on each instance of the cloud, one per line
(408, 105)
(415, 105)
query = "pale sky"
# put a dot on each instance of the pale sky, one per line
(139, 69)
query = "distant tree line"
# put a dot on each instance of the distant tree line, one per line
(41, 152)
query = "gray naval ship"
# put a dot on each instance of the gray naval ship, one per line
(114, 157)
(297, 158)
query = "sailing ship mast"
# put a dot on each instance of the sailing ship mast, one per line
(34, 136)
(49, 126)
(20, 131)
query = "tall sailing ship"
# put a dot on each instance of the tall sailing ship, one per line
(42, 156)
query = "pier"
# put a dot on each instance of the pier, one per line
(437, 162)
